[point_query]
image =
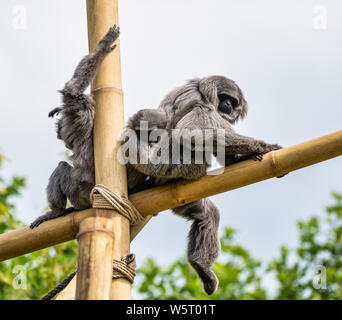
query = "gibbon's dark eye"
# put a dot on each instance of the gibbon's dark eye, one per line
(223, 97)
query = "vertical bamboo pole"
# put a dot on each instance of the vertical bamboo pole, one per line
(97, 247)
(69, 292)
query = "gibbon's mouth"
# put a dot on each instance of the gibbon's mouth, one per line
(226, 116)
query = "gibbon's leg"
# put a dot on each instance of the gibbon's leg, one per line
(56, 193)
(203, 240)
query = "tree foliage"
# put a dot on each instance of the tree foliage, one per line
(32, 275)
(313, 270)
(318, 254)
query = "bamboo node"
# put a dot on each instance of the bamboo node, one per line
(108, 88)
(95, 230)
(125, 268)
(103, 198)
(275, 163)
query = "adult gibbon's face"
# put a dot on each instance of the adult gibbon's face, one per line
(231, 102)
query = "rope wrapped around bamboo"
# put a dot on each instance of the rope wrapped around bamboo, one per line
(125, 268)
(103, 198)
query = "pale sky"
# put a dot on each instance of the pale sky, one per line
(289, 70)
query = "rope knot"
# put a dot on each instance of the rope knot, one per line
(125, 268)
(103, 198)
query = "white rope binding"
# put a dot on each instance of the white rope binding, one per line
(103, 198)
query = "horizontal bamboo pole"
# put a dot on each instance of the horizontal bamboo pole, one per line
(174, 194)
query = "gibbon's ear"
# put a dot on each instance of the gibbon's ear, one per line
(208, 89)
(155, 119)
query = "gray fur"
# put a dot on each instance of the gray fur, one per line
(196, 105)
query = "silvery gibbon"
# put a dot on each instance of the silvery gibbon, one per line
(205, 104)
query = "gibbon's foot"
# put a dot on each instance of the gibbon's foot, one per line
(257, 157)
(50, 215)
(41, 219)
(211, 285)
(208, 278)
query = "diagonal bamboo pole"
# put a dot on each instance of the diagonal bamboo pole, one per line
(25, 240)
(105, 236)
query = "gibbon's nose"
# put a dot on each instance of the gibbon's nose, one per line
(227, 107)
